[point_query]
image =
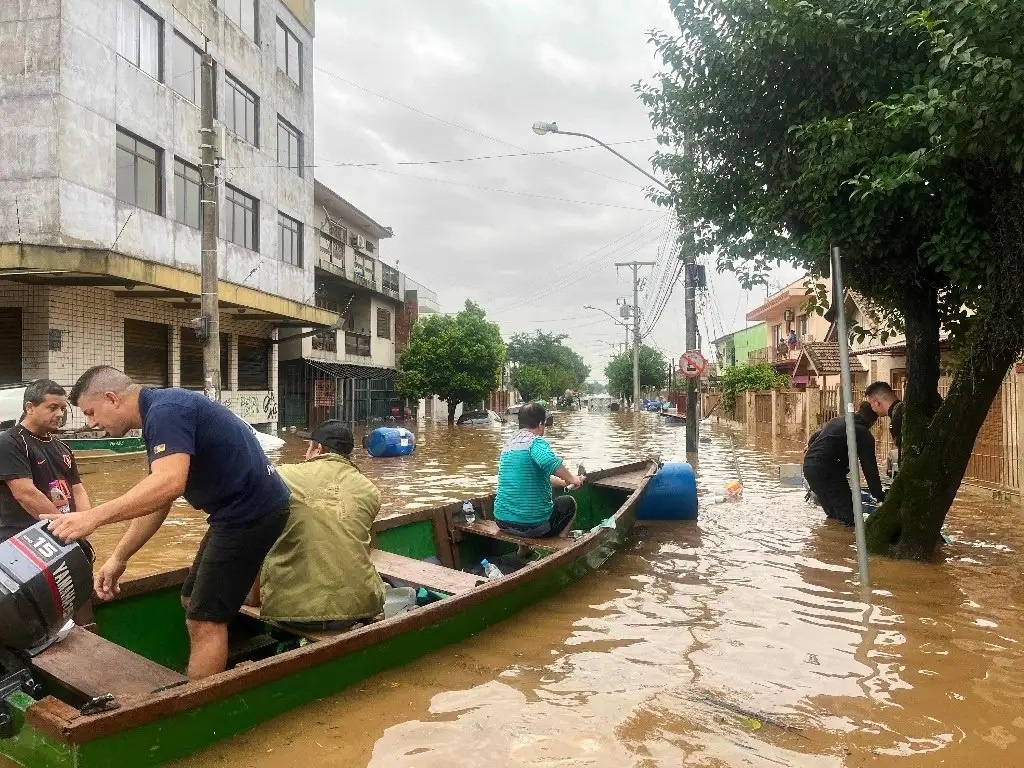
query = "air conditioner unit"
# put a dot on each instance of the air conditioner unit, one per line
(357, 240)
(807, 338)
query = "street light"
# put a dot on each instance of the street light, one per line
(542, 129)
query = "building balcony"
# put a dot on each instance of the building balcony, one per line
(756, 356)
(785, 353)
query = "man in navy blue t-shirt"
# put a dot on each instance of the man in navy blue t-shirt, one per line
(200, 450)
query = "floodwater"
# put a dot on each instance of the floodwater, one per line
(741, 640)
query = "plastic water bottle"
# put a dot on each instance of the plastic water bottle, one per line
(468, 513)
(60, 499)
(490, 569)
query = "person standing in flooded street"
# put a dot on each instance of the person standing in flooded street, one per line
(39, 473)
(826, 464)
(197, 449)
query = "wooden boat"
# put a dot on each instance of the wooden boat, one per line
(96, 452)
(115, 695)
(673, 418)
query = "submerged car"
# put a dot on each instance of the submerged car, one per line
(478, 418)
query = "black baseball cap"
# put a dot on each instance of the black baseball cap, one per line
(333, 434)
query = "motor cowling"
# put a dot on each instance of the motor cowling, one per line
(42, 583)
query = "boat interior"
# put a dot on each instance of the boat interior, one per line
(136, 645)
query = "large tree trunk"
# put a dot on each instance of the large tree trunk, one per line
(452, 405)
(938, 440)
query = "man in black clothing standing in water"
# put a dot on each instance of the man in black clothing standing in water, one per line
(200, 450)
(38, 473)
(885, 403)
(826, 464)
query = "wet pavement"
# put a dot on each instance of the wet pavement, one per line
(741, 640)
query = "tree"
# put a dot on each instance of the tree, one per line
(619, 371)
(596, 388)
(894, 129)
(457, 358)
(561, 368)
(739, 378)
(531, 381)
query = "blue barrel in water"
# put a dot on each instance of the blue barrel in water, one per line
(671, 494)
(385, 442)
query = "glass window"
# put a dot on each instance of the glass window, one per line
(253, 364)
(186, 72)
(289, 53)
(383, 324)
(241, 110)
(139, 33)
(289, 146)
(187, 186)
(240, 219)
(138, 172)
(289, 240)
(243, 13)
(362, 269)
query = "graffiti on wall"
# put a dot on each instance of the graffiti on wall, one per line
(254, 407)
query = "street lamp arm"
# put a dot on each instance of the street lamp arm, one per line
(613, 317)
(619, 155)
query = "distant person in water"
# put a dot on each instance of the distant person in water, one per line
(527, 471)
(826, 464)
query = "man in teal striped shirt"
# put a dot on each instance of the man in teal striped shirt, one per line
(527, 471)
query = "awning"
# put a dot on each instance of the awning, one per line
(348, 371)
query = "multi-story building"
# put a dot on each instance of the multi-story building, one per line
(100, 189)
(788, 326)
(349, 372)
(735, 348)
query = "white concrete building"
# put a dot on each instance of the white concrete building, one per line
(99, 188)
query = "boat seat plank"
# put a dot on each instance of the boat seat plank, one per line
(423, 574)
(627, 481)
(92, 666)
(309, 634)
(490, 529)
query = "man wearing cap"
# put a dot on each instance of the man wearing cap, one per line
(318, 575)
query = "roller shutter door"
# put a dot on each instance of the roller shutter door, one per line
(191, 360)
(145, 352)
(10, 345)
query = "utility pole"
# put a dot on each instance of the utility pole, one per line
(208, 327)
(635, 266)
(692, 388)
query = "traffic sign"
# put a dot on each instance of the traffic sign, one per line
(693, 364)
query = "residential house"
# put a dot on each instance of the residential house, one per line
(100, 190)
(784, 315)
(735, 348)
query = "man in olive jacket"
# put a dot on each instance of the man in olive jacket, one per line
(318, 575)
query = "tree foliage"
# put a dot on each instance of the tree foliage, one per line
(738, 379)
(531, 381)
(891, 128)
(596, 388)
(619, 371)
(458, 358)
(553, 367)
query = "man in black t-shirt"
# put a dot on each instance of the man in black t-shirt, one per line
(200, 450)
(38, 471)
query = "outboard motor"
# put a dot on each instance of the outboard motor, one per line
(42, 583)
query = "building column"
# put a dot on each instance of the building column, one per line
(751, 396)
(812, 410)
(174, 350)
(776, 411)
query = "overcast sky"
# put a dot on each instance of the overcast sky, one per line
(491, 68)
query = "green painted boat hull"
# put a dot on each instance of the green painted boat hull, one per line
(152, 624)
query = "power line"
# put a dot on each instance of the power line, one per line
(464, 128)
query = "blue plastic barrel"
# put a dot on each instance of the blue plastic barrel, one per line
(671, 494)
(385, 442)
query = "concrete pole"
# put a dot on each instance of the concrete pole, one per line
(210, 304)
(692, 388)
(635, 266)
(851, 438)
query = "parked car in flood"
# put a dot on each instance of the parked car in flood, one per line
(478, 418)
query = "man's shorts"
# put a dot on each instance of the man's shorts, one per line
(227, 564)
(561, 514)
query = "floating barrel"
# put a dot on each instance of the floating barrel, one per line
(385, 442)
(671, 494)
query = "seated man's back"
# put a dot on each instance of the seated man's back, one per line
(319, 570)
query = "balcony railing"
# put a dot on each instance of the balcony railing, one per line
(357, 344)
(756, 356)
(784, 352)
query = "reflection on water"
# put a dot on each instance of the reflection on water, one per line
(743, 640)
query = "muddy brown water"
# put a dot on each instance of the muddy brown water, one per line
(742, 640)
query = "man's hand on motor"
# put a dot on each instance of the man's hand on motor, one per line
(72, 526)
(105, 580)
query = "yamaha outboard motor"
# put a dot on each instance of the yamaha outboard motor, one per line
(42, 583)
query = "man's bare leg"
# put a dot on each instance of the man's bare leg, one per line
(209, 654)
